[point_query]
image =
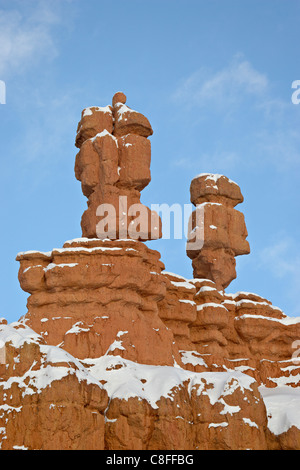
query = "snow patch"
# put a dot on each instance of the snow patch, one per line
(91, 109)
(214, 177)
(192, 357)
(283, 408)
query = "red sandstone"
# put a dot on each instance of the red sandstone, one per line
(116, 353)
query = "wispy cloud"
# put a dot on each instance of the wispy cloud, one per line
(224, 87)
(46, 112)
(27, 34)
(240, 103)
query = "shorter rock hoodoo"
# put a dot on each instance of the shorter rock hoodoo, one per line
(217, 230)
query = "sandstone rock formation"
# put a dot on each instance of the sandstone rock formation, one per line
(116, 353)
(91, 294)
(113, 165)
(218, 227)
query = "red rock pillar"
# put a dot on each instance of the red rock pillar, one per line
(217, 231)
(113, 165)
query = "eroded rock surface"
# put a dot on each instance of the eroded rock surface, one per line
(92, 294)
(153, 340)
(113, 165)
(50, 400)
(117, 353)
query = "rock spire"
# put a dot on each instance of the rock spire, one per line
(217, 230)
(113, 165)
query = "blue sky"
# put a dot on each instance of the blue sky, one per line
(214, 78)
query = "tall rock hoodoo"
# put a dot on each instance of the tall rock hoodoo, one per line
(113, 165)
(115, 352)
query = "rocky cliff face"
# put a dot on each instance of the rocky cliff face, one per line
(115, 352)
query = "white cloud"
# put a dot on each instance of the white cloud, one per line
(251, 117)
(226, 86)
(26, 35)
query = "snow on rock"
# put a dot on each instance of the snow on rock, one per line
(89, 111)
(175, 276)
(283, 408)
(123, 109)
(17, 335)
(35, 379)
(250, 423)
(41, 387)
(183, 285)
(192, 357)
(26, 254)
(210, 305)
(283, 321)
(207, 289)
(120, 379)
(218, 425)
(77, 328)
(88, 241)
(214, 177)
(185, 301)
(126, 379)
(245, 295)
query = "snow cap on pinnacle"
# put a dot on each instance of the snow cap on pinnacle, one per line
(209, 187)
